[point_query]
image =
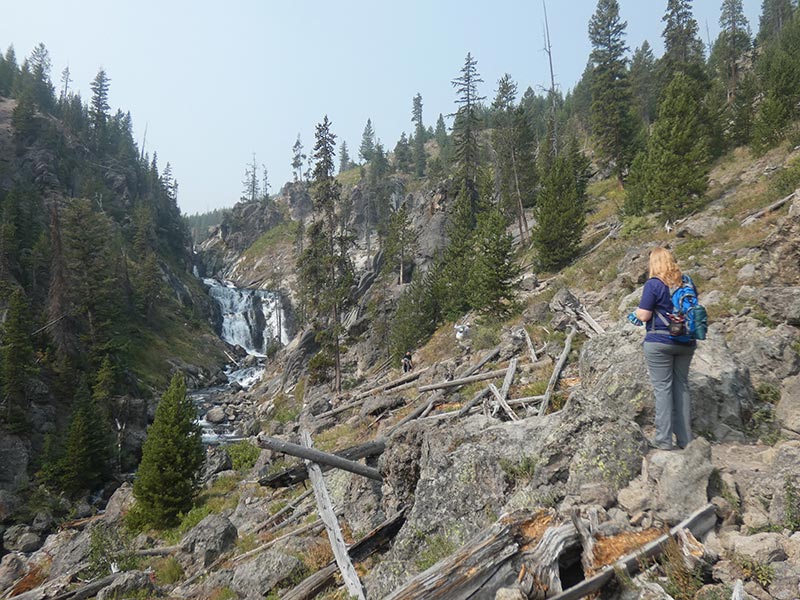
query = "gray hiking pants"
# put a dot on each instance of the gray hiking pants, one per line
(668, 365)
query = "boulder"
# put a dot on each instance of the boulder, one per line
(119, 504)
(216, 415)
(12, 568)
(22, 538)
(255, 578)
(217, 461)
(208, 539)
(380, 403)
(780, 303)
(762, 548)
(14, 466)
(788, 409)
(785, 583)
(131, 584)
(701, 226)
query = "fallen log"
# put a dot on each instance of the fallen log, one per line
(501, 401)
(310, 527)
(467, 572)
(312, 454)
(328, 516)
(531, 349)
(750, 219)
(361, 550)
(299, 473)
(415, 374)
(556, 373)
(288, 508)
(474, 401)
(86, 591)
(699, 523)
(462, 381)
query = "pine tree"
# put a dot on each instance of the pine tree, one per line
(344, 158)
(99, 108)
(402, 154)
(367, 148)
(172, 455)
(732, 45)
(775, 14)
(16, 358)
(683, 49)
(560, 209)
(678, 153)
(401, 243)
(40, 72)
(325, 271)
(643, 82)
(443, 141)
(251, 188)
(612, 122)
(465, 132)
(298, 158)
(419, 137)
(494, 277)
(417, 316)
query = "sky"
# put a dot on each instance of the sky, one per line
(211, 83)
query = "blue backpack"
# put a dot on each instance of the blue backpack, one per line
(688, 319)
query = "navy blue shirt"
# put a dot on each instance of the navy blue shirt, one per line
(657, 298)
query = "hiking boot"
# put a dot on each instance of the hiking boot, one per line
(658, 446)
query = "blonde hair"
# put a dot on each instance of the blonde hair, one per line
(663, 266)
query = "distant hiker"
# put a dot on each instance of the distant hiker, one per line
(667, 356)
(408, 364)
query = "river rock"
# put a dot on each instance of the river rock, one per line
(208, 539)
(255, 578)
(216, 415)
(21, 538)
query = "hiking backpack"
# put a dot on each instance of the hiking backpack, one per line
(688, 319)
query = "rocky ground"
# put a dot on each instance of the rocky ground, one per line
(455, 475)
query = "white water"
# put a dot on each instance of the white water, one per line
(252, 319)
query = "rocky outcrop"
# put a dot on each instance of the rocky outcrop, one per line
(211, 537)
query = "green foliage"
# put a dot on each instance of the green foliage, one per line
(286, 408)
(107, 547)
(752, 570)
(792, 500)
(787, 180)
(17, 366)
(244, 454)
(418, 313)
(519, 470)
(171, 458)
(560, 211)
(435, 548)
(682, 582)
(168, 571)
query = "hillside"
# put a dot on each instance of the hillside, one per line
(451, 472)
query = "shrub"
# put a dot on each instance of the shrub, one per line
(244, 455)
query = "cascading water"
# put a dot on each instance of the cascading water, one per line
(254, 320)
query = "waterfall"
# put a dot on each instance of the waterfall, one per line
(251, 318)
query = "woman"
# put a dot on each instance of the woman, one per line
(667, 358)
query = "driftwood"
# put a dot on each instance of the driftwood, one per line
(299, 473)
(503, 393)
(474, 401)
(464, 573)
(328, 516)
(288, 508)
(699, 523)
(462, 381)
(750, 219)
(317, 456)
(362, 549)
(501, 401)
(531, 349)
(422, 408)
(556, 373)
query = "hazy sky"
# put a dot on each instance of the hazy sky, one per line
(214, 82)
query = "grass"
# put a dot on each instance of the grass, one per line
(521, 470)
(279, 235)
(343, 436)
(434, 549)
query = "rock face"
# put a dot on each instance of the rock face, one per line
(132, 584)
(14, 466)
(211, 537)
(255, 579)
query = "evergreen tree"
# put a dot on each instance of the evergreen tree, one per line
(344, 158)
(560, 209)
(9, 70)
(643, 82)
(172, 455)
(419, 137)
(251, 188)
(494, 277)
(743, 110)
(683, 49)
(775, 14)
(42, 87)
(402, 154)
(367, 149)
(731, 46)
(443, 141)
(401, 243)
(298, 158)
(99, 109)
(677, 151)
(636, 197)
(325, 271)
(417, 315)
(16, 358)
(465, 132)
(612, 123)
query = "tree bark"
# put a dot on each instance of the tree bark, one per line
(317, 456)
